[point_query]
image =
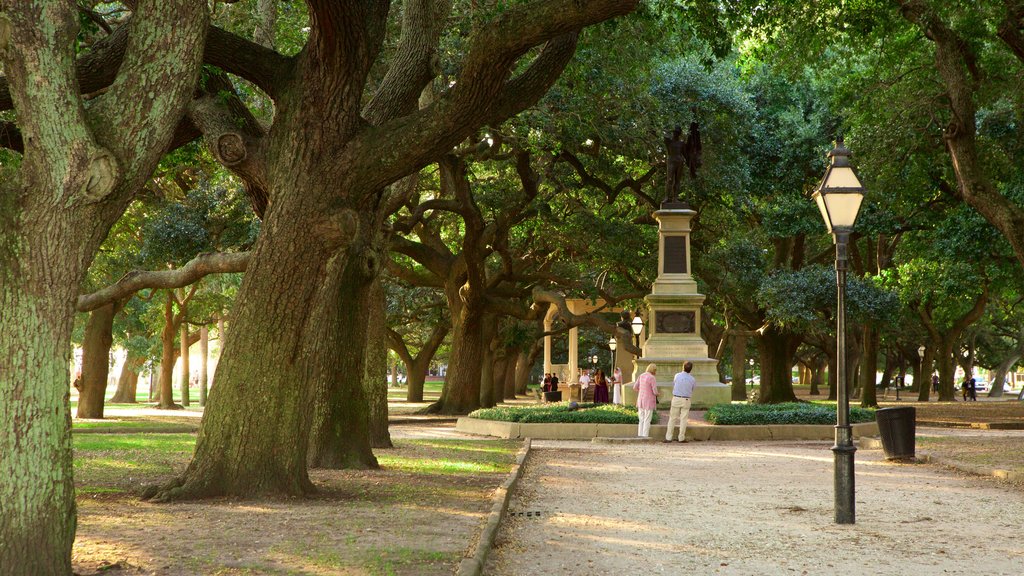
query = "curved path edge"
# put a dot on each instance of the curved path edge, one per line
(474, 565)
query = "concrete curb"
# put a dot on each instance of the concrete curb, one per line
(700, 432)
(474, 565)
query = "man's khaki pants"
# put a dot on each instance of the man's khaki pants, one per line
(679, 411)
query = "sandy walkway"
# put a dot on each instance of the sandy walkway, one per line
(750, 508)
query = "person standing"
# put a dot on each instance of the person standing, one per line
(600, 388)
(972, 389)
(617, 386)
(682, 390)
(935, 382)
(646, 387)
(554, 382)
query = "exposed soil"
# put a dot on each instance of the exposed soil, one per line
(404, 520)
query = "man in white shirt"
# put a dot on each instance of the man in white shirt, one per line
(682, 391)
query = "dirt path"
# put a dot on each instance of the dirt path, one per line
(751, 508)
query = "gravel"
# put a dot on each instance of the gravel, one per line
(749, 508)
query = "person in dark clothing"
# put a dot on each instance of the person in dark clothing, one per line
(972, 389)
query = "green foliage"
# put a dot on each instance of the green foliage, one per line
(787, 413)
(560, 413)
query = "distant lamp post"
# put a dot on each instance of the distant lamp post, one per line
(637, 326)
(839, 197)
(612, 345)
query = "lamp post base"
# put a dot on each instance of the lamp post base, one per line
(844, 484)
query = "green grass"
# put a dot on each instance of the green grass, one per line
(560, 413)
(787, 413)
(137, 425)
(457, 457)
(124, 462)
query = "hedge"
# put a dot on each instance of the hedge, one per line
(559, 413)
(788, 413)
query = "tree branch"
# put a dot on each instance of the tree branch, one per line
(200, 266)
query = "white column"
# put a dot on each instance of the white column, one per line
(574, 343)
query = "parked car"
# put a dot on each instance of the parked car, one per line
(981, 386)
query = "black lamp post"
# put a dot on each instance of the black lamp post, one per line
(637, 326)
(838, 197)
(612, 345)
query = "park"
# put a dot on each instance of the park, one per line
(511, 287)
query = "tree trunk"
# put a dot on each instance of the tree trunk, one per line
(204, 353)
(96, 361)
(947, 388)
(186, 370)
(926, 372)
(869, 364)
(739, 368)
(776, 350)
(166, 386)
(509, 377)
(415, 377)
(341, 427)
(374, 379)
(80, 167)
(817, 375)
(524, 364)
(37, 526)
(488, 375)
(461, 391)
(999, 375)
(394, 374)
(128, 382)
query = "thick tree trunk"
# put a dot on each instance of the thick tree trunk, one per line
(393, 378)
(944, 361)
(96, 361)
(374, 379)
(461, 392)
(37, 507)
(739, 368)
(204, 353)
(776, 350)
(869, 362)
(128, 381)
(416, 377)
(487, 375)
(525, 364)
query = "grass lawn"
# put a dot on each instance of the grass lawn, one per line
(416, 515)
(993, 452)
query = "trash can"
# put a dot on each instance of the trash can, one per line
(555, 396)
(897, 427)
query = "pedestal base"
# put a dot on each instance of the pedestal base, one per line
(709, 390)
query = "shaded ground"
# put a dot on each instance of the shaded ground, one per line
(749, 508)
(418, 515)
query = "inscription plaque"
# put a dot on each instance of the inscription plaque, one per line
(675, 322)
(675, 255)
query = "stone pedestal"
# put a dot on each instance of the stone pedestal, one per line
(673, 320)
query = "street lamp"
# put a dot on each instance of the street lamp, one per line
(839, 197)
(612, 345)
(637, 326)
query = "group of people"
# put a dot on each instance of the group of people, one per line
(605, 390)
(969, 387)
(646, 387)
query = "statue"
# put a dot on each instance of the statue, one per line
(677, 154)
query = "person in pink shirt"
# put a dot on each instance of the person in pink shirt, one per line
(646, 387)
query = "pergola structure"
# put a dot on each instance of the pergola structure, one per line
(568, 373)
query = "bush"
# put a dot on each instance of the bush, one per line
(559, 412)
(788, 413)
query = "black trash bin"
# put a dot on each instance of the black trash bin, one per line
(555, 396)
(897, 427)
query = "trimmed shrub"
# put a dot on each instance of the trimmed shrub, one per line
(788, 413)
(559, 412)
